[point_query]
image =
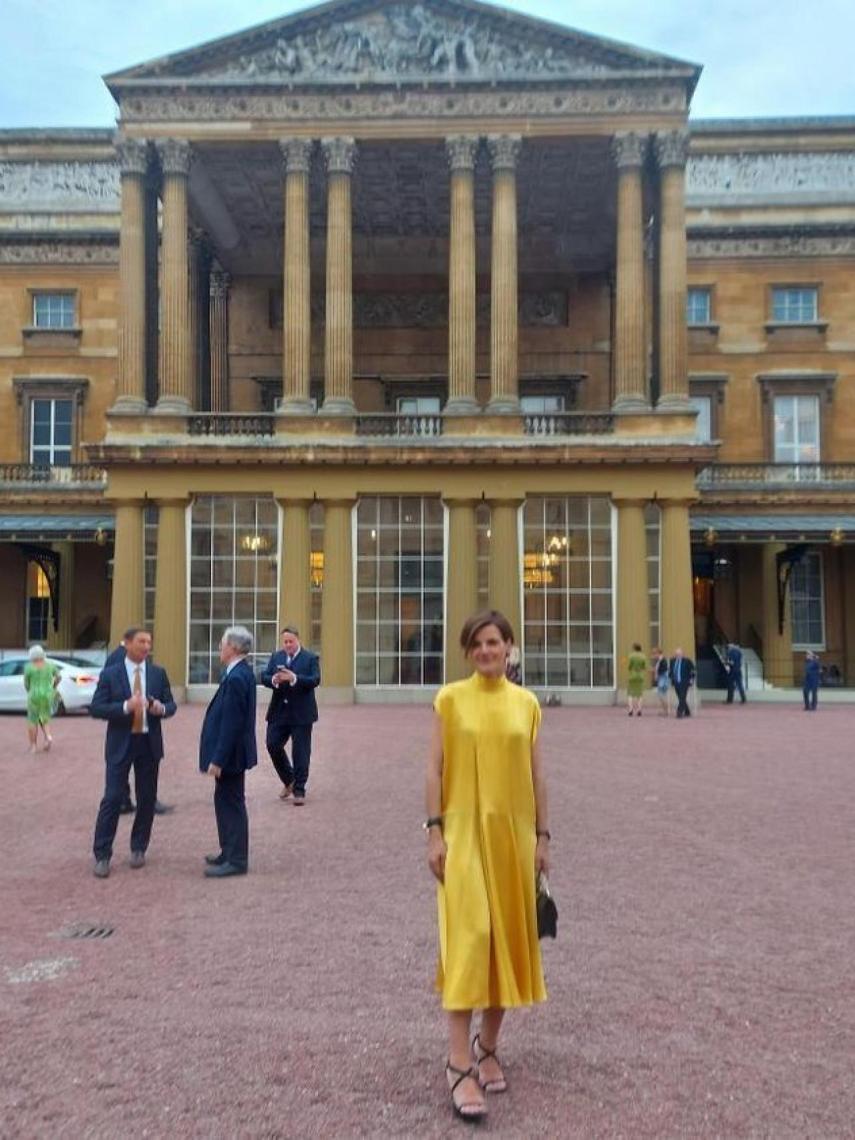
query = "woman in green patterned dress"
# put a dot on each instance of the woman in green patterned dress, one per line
(636, 677)
(41, 678)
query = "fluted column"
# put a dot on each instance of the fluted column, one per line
(505, 584)
(676, 601)
(504, 334)
(672, 149)
(126, 607)
(777, 641)
(175, 381)
(338, 347)
(461, 150)
(219, 337)
(462, 578)
(633, 604)
(62, 637)
(629, 349)
(295, 583)
(170, 589)
(133, 157)
(337, 599)
(296, 306)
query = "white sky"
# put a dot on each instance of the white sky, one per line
(760, 57)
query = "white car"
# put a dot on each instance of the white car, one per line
(76, 688)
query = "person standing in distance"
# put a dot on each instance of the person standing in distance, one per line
(133, 696)
(682, 674)
(227, 751)
(293, 673)
(733, 665)
(810, 684)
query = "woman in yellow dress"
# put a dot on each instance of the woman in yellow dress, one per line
(488, 839)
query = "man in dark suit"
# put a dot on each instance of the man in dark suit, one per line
(810, 684)
(118, 655)
(293, 673)
(682, 674)
(133, 696)
(734, 674)
(227, 751)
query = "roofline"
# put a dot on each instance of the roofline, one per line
(57, 134)
(779, 125)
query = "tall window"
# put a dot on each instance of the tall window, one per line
(233, 578)
(418, 405)
(703, 424)
(483, 534)
(652, 533)
(807, 608)
(53, 310)
(794, 304)
(797, 429)
(51, 432)
(541, 405)
(149, 562)
(567, 602)
(698, 305)
(400, 545)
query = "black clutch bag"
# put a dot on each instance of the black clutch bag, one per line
(547, 911)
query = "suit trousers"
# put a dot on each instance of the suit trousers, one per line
(232, 820)
(682, 691)
(296, 770)
(137, 756)
(810, 692)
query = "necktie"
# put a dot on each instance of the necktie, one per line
(137, 725)
(288, 660)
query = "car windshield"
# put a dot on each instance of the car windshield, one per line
(78, 662)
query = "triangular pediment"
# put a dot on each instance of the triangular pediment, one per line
(381, 42)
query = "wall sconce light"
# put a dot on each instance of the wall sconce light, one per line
(101, 536)
(836, 536)
(710, 536)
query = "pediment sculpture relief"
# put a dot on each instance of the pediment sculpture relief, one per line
(408, 41)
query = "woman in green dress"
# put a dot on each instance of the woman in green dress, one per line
(636, 667)
(40, 680)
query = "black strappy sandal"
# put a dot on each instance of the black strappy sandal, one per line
(472, 1112)
(481, 1053)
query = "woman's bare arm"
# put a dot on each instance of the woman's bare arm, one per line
(541, 808)
(433, 801)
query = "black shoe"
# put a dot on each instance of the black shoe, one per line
(137, 859)
(215, 860)
(223, 870)
(101, 869)
(127, 808)
(163, 809)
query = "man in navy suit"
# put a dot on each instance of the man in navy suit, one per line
(734, 673)
(133, 696)
(227, 751)
(682, 674)
(293, 673)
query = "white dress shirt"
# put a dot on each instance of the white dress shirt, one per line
(131, 668)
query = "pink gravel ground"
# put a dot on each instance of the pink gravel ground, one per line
(701, 984)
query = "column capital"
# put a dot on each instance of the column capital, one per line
(672, 148)
(133, 155)
(504, 151)
(297, 155)
(461, 151)
(628, 149)
(220, 282)
(340, 154)
(684, 502)
(176, 155)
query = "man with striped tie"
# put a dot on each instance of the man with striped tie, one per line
(133, 696)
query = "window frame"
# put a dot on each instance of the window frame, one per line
(774, 384)
(709, 322)
(776, 320)
(30, 388)
(711, 386)
(63, 333)
(820, 645)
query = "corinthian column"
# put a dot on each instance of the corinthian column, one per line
(504, 346)
(629, 353)
(133, 163)
(461, 151)
(672, 149)
(175, 380)
(338, 348)
(218, 319)
(296, 306)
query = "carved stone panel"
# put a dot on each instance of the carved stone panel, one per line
(89, 186)
(772, 178)
(430, 310)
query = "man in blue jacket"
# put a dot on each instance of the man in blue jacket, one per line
(733, 665)
(293, 673)
(227, 751)
(133, 696)
(810, 685)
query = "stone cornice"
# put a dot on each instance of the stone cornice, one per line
(771, 241)
(59, 249)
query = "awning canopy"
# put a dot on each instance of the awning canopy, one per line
(789, 524)
(53, 527)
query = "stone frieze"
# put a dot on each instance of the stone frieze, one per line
(430, 310)
(771, 245)
(62, 251)
(729, 177)
(78, 185)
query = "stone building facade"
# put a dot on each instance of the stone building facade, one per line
(381, 312)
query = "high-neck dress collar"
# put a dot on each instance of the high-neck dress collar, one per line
(489, 684)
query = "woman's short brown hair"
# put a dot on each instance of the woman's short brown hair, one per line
(473, 626)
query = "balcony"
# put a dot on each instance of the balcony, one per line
(568, 423)
(253, 424)
(777, 476)
(385, 424)
(76, 476)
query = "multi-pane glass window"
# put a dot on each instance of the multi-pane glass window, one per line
(400, 545)
(150, 520)
(567, 592)
(698, 305)
(806, 603)
(703, 424)
(796, 429)
(541, 405)
(316, 542)
(234, 555)
(418, 405)
(53, 310)
(483, 534)
(794, 304)
(51, 424)
(652, 534)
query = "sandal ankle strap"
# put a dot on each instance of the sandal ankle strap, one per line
(482, 1049)
(461, 1074)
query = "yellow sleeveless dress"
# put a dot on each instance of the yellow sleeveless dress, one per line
(489, 954)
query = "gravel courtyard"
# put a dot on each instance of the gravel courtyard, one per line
(701, 984)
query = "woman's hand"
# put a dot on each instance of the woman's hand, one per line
(541, 856)
(436, 854)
